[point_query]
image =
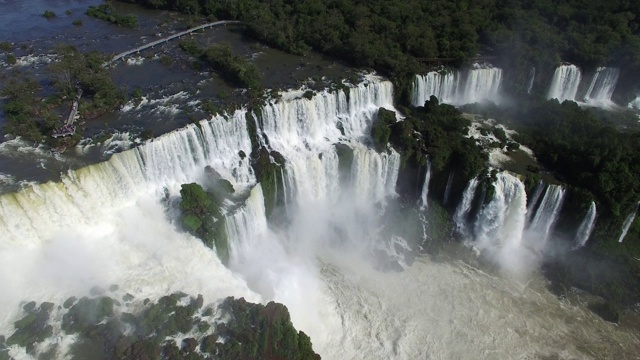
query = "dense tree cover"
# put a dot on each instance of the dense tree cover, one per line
(598, 160)
(390, 35)
(257, 331)
(106, 12)
(583, 147)
(439, 132)
(543, 33)
(85, 71)
(33, 118)
(27, 116)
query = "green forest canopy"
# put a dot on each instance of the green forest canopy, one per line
(391, 35)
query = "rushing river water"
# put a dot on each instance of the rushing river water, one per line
(115, 222)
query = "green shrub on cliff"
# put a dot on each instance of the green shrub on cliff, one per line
(381, 128)
(202, 217)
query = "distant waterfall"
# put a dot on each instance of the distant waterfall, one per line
(501, 222)
(602, 85)
(425, 187)
(635, 103)
(546, 215)
(447, 189)
(532, 78)
(586, 226)
(627, 224)
(444, 86)
(481, 83)
(565, 82)
(460, 216)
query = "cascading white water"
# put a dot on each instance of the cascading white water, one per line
(447, 189)
(462, 211)
(565, 82)
(532, 78)
(627, 224)
(444, 86)
(602, 86)
(425, 187)
(533, 201)
(375, 174)
(500, 225)
(304, 131)
(104, 224)
(325, 214)
(545, 217)
(481, 83)
(635, 103)
(586, 226)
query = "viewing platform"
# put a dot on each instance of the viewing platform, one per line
(68, 128)
(168, 38)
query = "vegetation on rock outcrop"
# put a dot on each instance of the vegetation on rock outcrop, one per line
(176, 326)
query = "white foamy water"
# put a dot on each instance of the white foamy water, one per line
(108, 223)
(602, 86)
(586, 226)
(425, 187)
(463, 209)
(167, 105)
(566, 85)
(627, 224)
(135, 60)
(478, 84)
(546, 215)
(500, 225)
(454, 311)
(104, 224)
(565, 82)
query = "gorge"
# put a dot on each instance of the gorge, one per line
(332, 277)
(369, 213)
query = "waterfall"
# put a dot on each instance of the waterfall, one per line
(444, 86)
(113, 222)
(483, 83)
(105, 223)
(627, 224)
(501, 222)
(460, 216)
(532, 78)
(602, 85)
(564, 84)
(545, 216)
(586, 226)
(480, 83)
(635, 103)
(305, 130)
(375, 174)
(531, 204)
(168, 161)
(447, 189)
(425, 187)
